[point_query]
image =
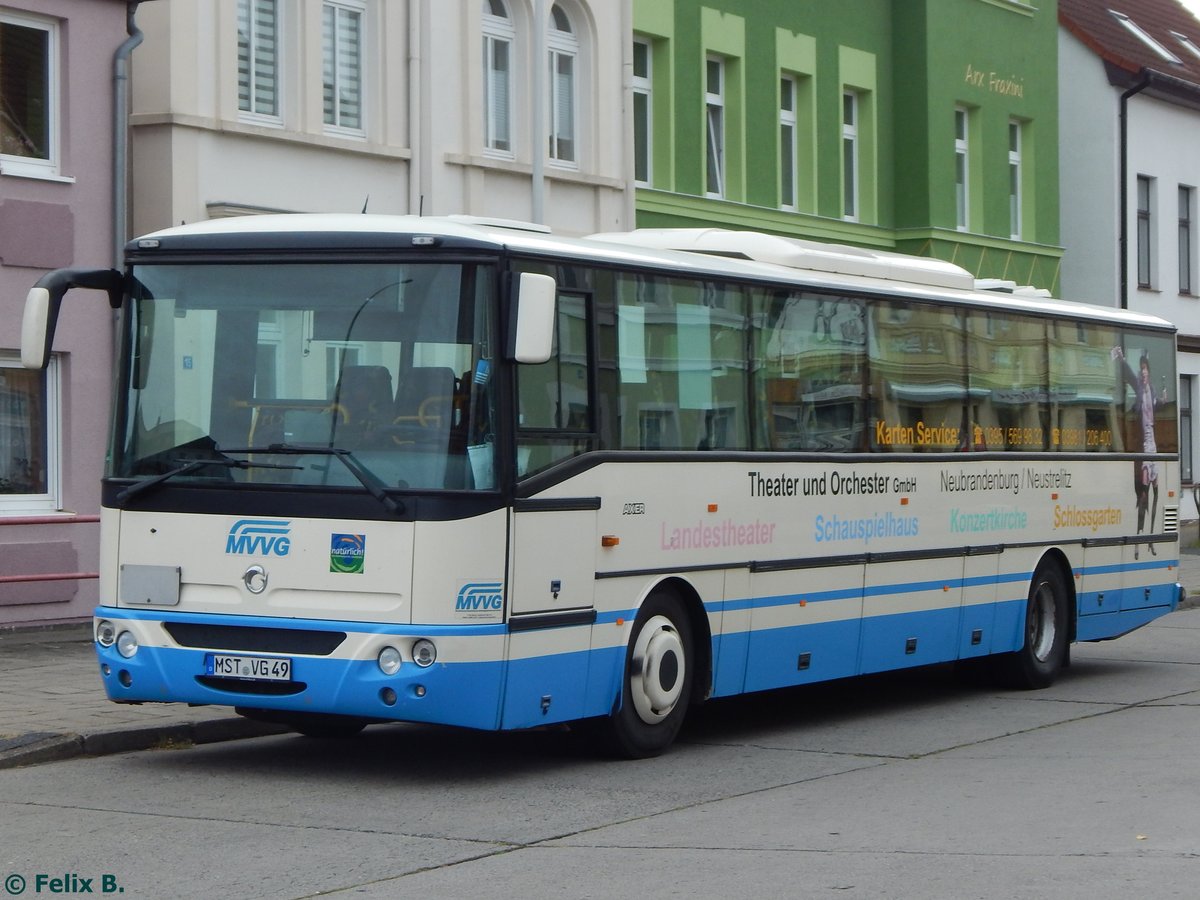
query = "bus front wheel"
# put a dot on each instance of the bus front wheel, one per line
(657, 680)
(1044, 653)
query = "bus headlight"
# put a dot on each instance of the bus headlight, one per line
(389, 660)
(106, 633)
(127, 644)
(424, 653)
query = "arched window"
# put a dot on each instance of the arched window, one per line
(498, 37)
(563, 46)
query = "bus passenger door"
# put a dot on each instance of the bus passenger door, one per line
(551, 610)
(552, 567)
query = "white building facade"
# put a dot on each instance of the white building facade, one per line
(395, 106)
(1129, 93)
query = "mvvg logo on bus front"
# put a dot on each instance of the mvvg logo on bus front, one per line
(259, 537)
(479, 600)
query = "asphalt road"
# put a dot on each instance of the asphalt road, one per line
(908, 785)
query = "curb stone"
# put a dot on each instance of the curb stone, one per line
(32, 749)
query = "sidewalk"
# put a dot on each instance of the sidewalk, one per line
(53, 707)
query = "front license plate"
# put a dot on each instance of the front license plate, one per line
(255, 668)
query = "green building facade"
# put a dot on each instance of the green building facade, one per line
(922, 126)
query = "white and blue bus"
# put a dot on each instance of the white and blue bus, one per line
(370, 468)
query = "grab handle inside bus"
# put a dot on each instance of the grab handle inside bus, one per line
(533, 332)
(43, 302)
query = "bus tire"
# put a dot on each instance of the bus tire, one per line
(1044, 652)
(656, 680)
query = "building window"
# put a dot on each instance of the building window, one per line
(564, 50)
(28, 96)
(714, 106)
(498, 38)
(342, 57)
(850, 156)
(1138, 32)
(643, 112)
(28, 437)
(1185, 427)
(1185, 239)
(258, 58)
(787, 142)
(961, 170)
(1014, 180)
(1188, 44)
(1145, 273)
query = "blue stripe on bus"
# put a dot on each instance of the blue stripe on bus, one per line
(527, 692)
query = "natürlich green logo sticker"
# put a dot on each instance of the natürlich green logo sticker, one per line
(347, 553)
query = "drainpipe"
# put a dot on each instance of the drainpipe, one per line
(1123, 187)
(416, 110)
(121, 133)
(541, 21)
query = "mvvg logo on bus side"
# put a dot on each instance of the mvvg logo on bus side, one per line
(481, 598)
(259, 537)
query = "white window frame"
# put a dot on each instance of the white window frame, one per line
(643, 120)
(51, 500)
(962, 168)
(1188, 44)
(249, 8)
(349, 7)
(1145, 244)
(714, 128)
(1187, 240)
(498, 31)
(1138, 32)
(562, 124)
(789, 94)
(851, 107)
(30, 167)
(1016, 174)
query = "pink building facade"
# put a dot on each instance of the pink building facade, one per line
(56, 210)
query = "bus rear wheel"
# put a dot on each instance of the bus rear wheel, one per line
(1038, 663)
(657, 680)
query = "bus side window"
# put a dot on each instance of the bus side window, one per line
(553, 397)
(918, 378)
(810, 352)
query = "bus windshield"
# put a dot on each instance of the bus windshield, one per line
(369, 376)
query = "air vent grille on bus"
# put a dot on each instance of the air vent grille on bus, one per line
(248, 638)
(1171, 519)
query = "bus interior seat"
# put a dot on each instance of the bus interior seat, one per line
(364, 393)
(425, 395)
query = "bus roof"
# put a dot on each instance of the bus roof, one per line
(742, 255)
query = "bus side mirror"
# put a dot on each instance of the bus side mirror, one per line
(533, 335)
(43, 302)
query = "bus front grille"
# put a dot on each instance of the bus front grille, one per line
(254, 639)
(244, 686)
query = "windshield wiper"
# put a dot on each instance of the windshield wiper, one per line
(365, 476)
(191, 466)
